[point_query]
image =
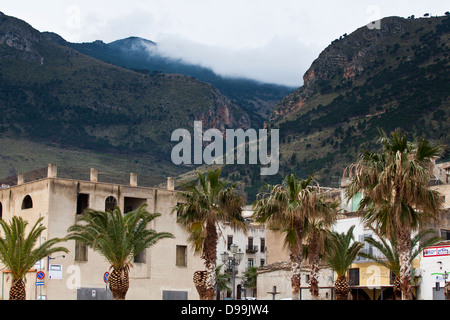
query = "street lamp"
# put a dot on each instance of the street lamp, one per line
(446, 286)
(50, 258)
(236, 257)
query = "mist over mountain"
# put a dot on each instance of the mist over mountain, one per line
(52, 95)
(255, 97)
(117, 104)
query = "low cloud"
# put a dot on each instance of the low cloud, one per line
(283, 60)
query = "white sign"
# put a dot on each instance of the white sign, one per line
(55, 272)
(436, 251)
(39, 264)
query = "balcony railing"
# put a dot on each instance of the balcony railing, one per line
(251, 249)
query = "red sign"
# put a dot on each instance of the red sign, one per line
(40, 275)
(436, 251)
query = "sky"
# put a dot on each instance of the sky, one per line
(273, 41)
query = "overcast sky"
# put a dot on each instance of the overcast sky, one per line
(269, 40)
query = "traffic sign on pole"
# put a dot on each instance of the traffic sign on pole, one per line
(105, 277)
(40, 275)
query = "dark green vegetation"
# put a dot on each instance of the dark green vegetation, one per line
(141, 55)
(402, 80)
(398, 76)
(59, 105)
(55, 96)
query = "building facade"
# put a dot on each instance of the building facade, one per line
(163, 271)
(252, 243)
(368, 280)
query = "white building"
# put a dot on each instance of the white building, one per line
(435, 261)
(252, 244)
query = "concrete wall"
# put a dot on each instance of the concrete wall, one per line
(56, 200)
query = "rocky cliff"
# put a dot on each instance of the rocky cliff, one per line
(350, 57)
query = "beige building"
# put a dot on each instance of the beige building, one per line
(162, 272)
(367, 279)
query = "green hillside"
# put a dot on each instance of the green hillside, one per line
(55, 96)
(398, 76)
(256, 98)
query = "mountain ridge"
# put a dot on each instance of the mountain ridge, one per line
(395, 76)
(135, 53)
(53, 94)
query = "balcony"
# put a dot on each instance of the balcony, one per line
(251, 249)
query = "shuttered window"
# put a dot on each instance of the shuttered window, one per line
(181, 256)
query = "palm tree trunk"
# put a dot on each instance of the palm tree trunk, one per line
(210, 257)
(199, 282)
(314, 289)
(17, 291)
(341, 288)
(397, 288)
(404, 252)
(296, 262)
(314, 282)
(119, 283)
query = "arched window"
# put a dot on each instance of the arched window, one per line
(110, 203)
(27, 202)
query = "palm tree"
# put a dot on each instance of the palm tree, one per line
(396, 197)
(251, 278)
(286, 208)
(316, 234)
(203, 205)
(340, 254)
(390, 258)
(222, 280)
(19, 252)
(119, 238)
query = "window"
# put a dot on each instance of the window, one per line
(181, 256)
(229, 242)
(81, 252)
(175, 295)
(82, 202)
(353, 277)
(110, 203)
(27, 203)
(140, 258)
(263, 245)
(131, 204)
(250, 263)
(262, 262)
(445, 234)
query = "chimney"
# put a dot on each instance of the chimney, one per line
(170, 183)
(20, 178)
(94, 175)
(52, 171)
(133, 179)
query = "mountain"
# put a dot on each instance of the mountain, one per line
(52, 95)
(371, 79)
(395, 76)
(256, 98)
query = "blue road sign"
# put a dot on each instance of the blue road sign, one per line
(105, 277)
(40, 275)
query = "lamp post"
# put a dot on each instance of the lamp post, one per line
(50, 258)
(446, 285)
(236, 257)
